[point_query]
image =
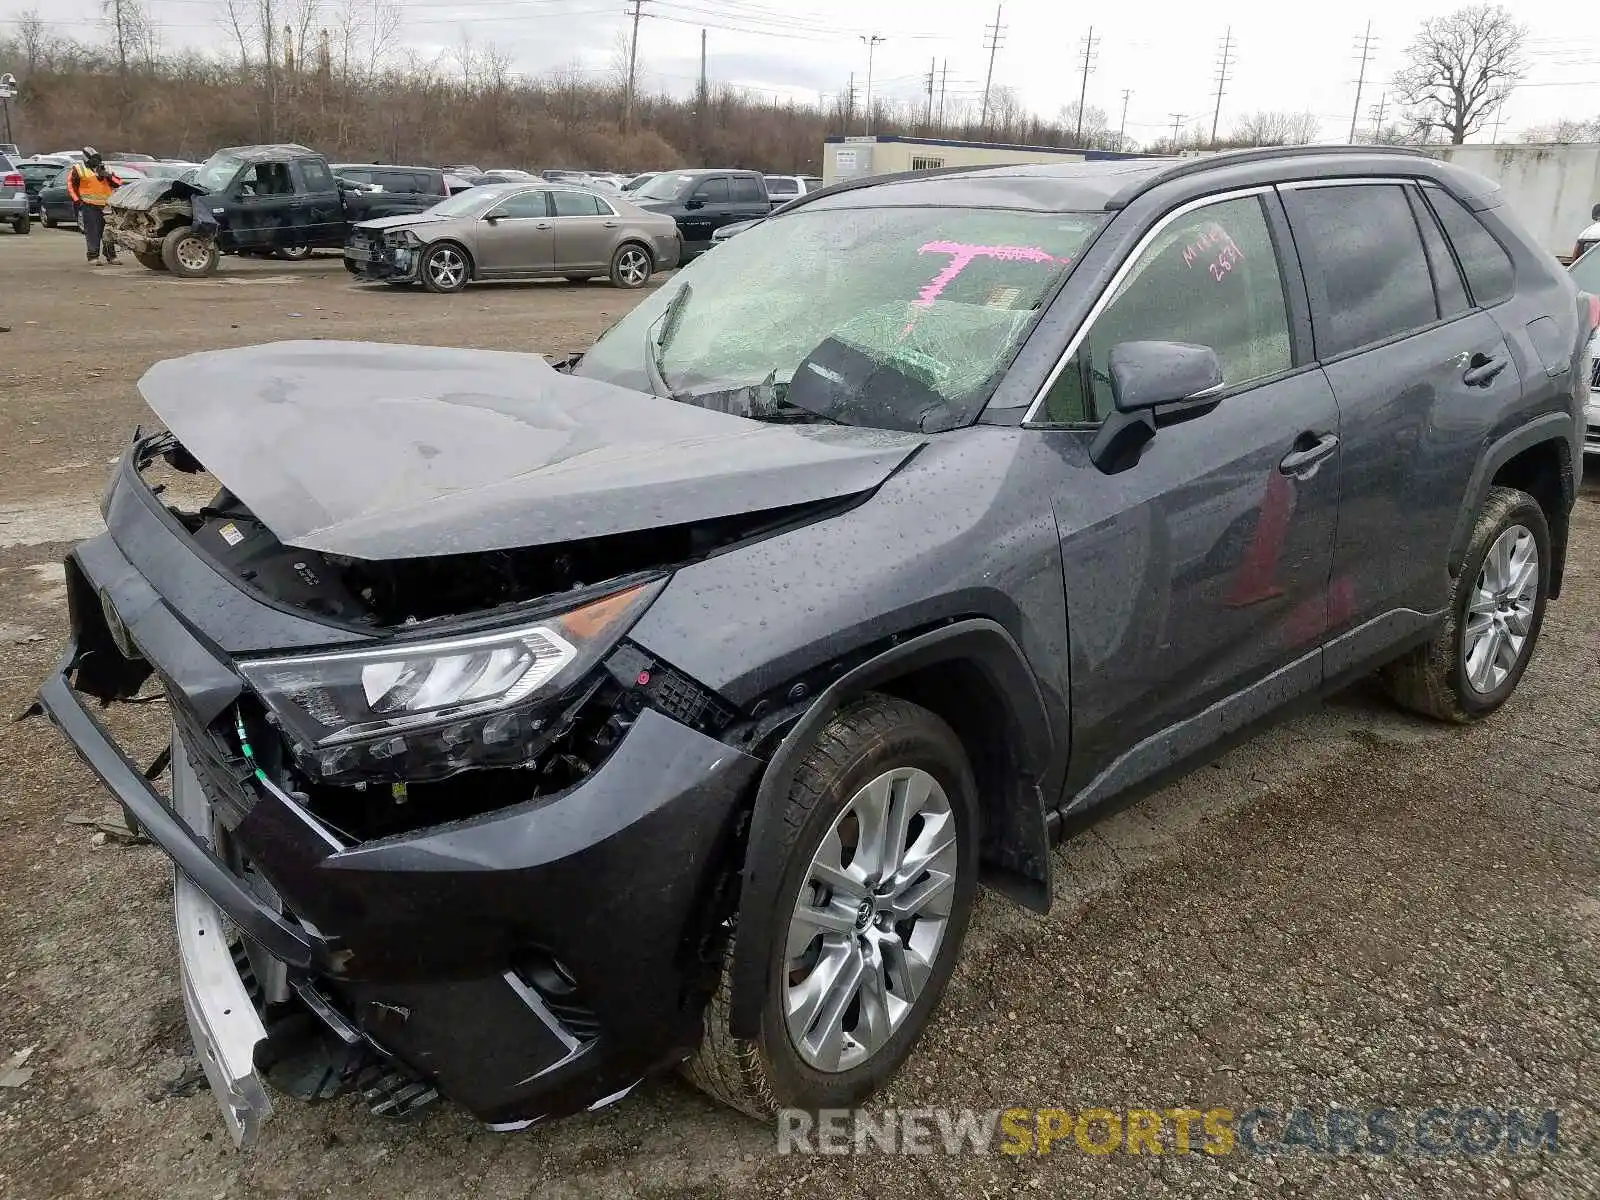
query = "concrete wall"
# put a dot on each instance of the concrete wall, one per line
(1550, 188)
(852, 160)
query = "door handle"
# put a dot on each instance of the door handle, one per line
(542, 225)
(1482, 369)
(1310, 450)
(612, 224)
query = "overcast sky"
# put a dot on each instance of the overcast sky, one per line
(1286, 56)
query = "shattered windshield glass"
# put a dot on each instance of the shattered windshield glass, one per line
(217, 172)
(897, 318)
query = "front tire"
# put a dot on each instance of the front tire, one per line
(881, 836)
(445, 269)
(293, 253)
(150, 260)
(631, 266)
(49, 221)
(189, 255)
(1496, 610)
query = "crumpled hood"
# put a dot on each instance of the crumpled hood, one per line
(401, 220)
(141, 195)
(382, 452)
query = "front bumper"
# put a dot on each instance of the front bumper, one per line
(531, 962)
(379, 262)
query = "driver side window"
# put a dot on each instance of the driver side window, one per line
(1210, 278)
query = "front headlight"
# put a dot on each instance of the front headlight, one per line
(436, 707)
(402, 237)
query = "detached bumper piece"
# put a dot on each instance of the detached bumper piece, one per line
(527, 962)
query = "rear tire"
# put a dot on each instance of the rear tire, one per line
(22, 224)
(189, 255)
(845, 1039)
(631, 266)
(293, 253)
(1476, 661)
(49, 221)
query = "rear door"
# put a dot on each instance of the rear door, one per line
(516, 236)
(1200, 570)
(319, 212)
(1419, 371)
(749, 199)
(585, 226)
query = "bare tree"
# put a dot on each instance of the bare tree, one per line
(130, 30)
(1567, 129)
(1276, 128)
(34, 38)
(1460, 68)
(1095, 125)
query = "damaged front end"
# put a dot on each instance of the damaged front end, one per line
(141, 213)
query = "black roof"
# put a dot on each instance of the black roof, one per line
(266, 152)
(1110, 184)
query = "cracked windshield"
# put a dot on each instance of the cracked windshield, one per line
(899, 318)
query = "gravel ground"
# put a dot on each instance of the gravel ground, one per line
(1355, 909)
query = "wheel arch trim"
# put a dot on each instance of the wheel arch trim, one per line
(1554, 427)
(988, 647)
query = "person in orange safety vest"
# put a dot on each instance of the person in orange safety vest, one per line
(90, 184)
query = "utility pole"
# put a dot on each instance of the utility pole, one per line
(944, 78)
(1083, 87)
(1222, 81)
(1361, 79)
(1377, 114)
(850, 105)
(933, 71)
(703, 102)
(1122, 129)
(873, 41)
(1499, 118)
(1177, 120)
(993, 36)
(633, 58)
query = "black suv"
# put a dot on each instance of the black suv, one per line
(406, 181)
(702, 202)
(538, 727)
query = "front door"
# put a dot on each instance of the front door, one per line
(585, 226)
(260, 207)
(1196, 578)
(516, 237)
(1419, 374)
(703, 211)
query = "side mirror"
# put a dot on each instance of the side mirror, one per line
(1147, 374)
(1594, 213)
(491, 218)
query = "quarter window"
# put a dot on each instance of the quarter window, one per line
(1365, 267)
(1447, 283)
(1211, 278)
(1485, 261)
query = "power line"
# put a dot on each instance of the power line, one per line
(993, 36)
(1177, 120)
(1222, 81)
(1361, 79)
(1377, 115)
(872, 42)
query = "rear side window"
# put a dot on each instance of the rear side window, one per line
(782, 187)
(315, 175)
(1447, 284)
(1485, 261)
(1210, 277)
(576, 204)
(1365, 266)
(746, 189)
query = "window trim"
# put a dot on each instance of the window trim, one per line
(1103, 300)
(1422, 212)
(701, 184)
(1476, 305)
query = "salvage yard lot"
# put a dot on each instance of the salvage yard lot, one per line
(1356, 908)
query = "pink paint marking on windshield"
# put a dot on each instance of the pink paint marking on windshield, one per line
(962, 255)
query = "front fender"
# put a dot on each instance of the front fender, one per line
(1022, 867)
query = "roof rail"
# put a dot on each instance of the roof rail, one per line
(851, 185)
(1227, 158)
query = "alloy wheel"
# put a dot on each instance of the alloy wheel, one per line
(633, 267)
(1500, 611)
(447, 268)
(869, 920)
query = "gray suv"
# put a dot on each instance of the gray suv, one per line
(539, 726)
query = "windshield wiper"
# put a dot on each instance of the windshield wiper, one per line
(658, 345)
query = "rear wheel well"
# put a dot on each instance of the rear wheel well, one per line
(1545, 473)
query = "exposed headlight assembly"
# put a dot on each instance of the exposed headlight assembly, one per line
(427, 709)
